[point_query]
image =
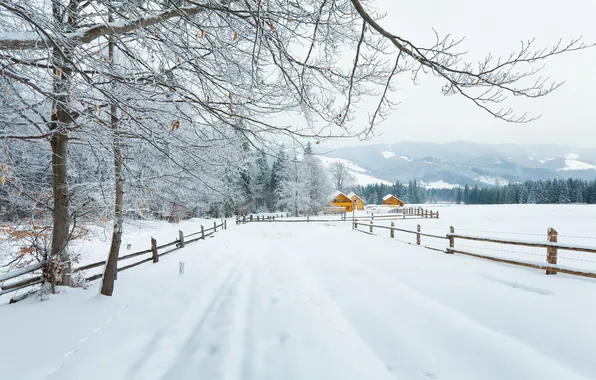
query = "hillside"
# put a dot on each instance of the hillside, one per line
(460, 163)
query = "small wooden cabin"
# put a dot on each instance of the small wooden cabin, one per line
(339, 199)
(358, 202)
(392, 200)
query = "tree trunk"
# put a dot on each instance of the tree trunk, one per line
(111, 271)
(60, 266)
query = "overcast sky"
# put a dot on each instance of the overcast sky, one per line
(568, 115)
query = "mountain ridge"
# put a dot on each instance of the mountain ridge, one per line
(462, 162)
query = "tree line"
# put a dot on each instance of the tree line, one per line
(555, 191)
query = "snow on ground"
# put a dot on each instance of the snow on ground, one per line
(572, 162)
(438, 185)
(405, 158)
(576, 165)
(352, 166)
(574, 223)
(359, 173)
(365, 179)
(387, 154)
(492, 180)
(311, 301)
(137, 233)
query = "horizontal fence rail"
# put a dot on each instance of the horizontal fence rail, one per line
(407, 213)
(552, 247)
(154, 251)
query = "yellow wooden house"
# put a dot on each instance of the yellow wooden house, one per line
(392, 200)
(339, 199)
(358, 202)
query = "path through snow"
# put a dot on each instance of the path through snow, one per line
(296, 301)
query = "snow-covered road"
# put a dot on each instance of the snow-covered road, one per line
(317, 301)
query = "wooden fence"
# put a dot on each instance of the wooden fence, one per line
(552, 247)
(155, 252)
(408, 213)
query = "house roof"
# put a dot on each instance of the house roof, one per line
(352, 195)
(388, 196)
(335, 194)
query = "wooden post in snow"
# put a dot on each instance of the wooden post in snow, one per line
(551, 252)
(203, 231)
(418, 235)
(225, 227)
(214, 226)
(392, 231)
(451, 240)
(154, 250)
(437, 215)
(181, 239)
(371, 226)
(307, 218)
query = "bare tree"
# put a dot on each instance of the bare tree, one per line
(343, 179)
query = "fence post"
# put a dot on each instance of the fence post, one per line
(451, 240)
(551, 252)
(307, 218)
(418, 235)
(427, 214)
(181, 238)
(225, 224)
(371, 226)
(250, 218)
(214, 226)
(203, 231)
(154, 250)
(372, 217)
(355, 225)
(437, 215)
(404, 214)
(392, 233)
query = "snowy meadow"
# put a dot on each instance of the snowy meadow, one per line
(320, 301)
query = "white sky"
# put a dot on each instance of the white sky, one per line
(568, 115)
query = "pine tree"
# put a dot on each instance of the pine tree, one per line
(458, 196)
(293, 193)
(467, 194)
(276, 176)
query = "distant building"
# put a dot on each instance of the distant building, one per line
(339, 199)
(358, 202)
(392, 200)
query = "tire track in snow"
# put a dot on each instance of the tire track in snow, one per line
(217, 346)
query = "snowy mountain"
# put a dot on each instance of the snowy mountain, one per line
(459, 163)
(362, 178)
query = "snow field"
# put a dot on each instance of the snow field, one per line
(574, 224)
(309, 301)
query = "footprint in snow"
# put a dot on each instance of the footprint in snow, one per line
(428, 375)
